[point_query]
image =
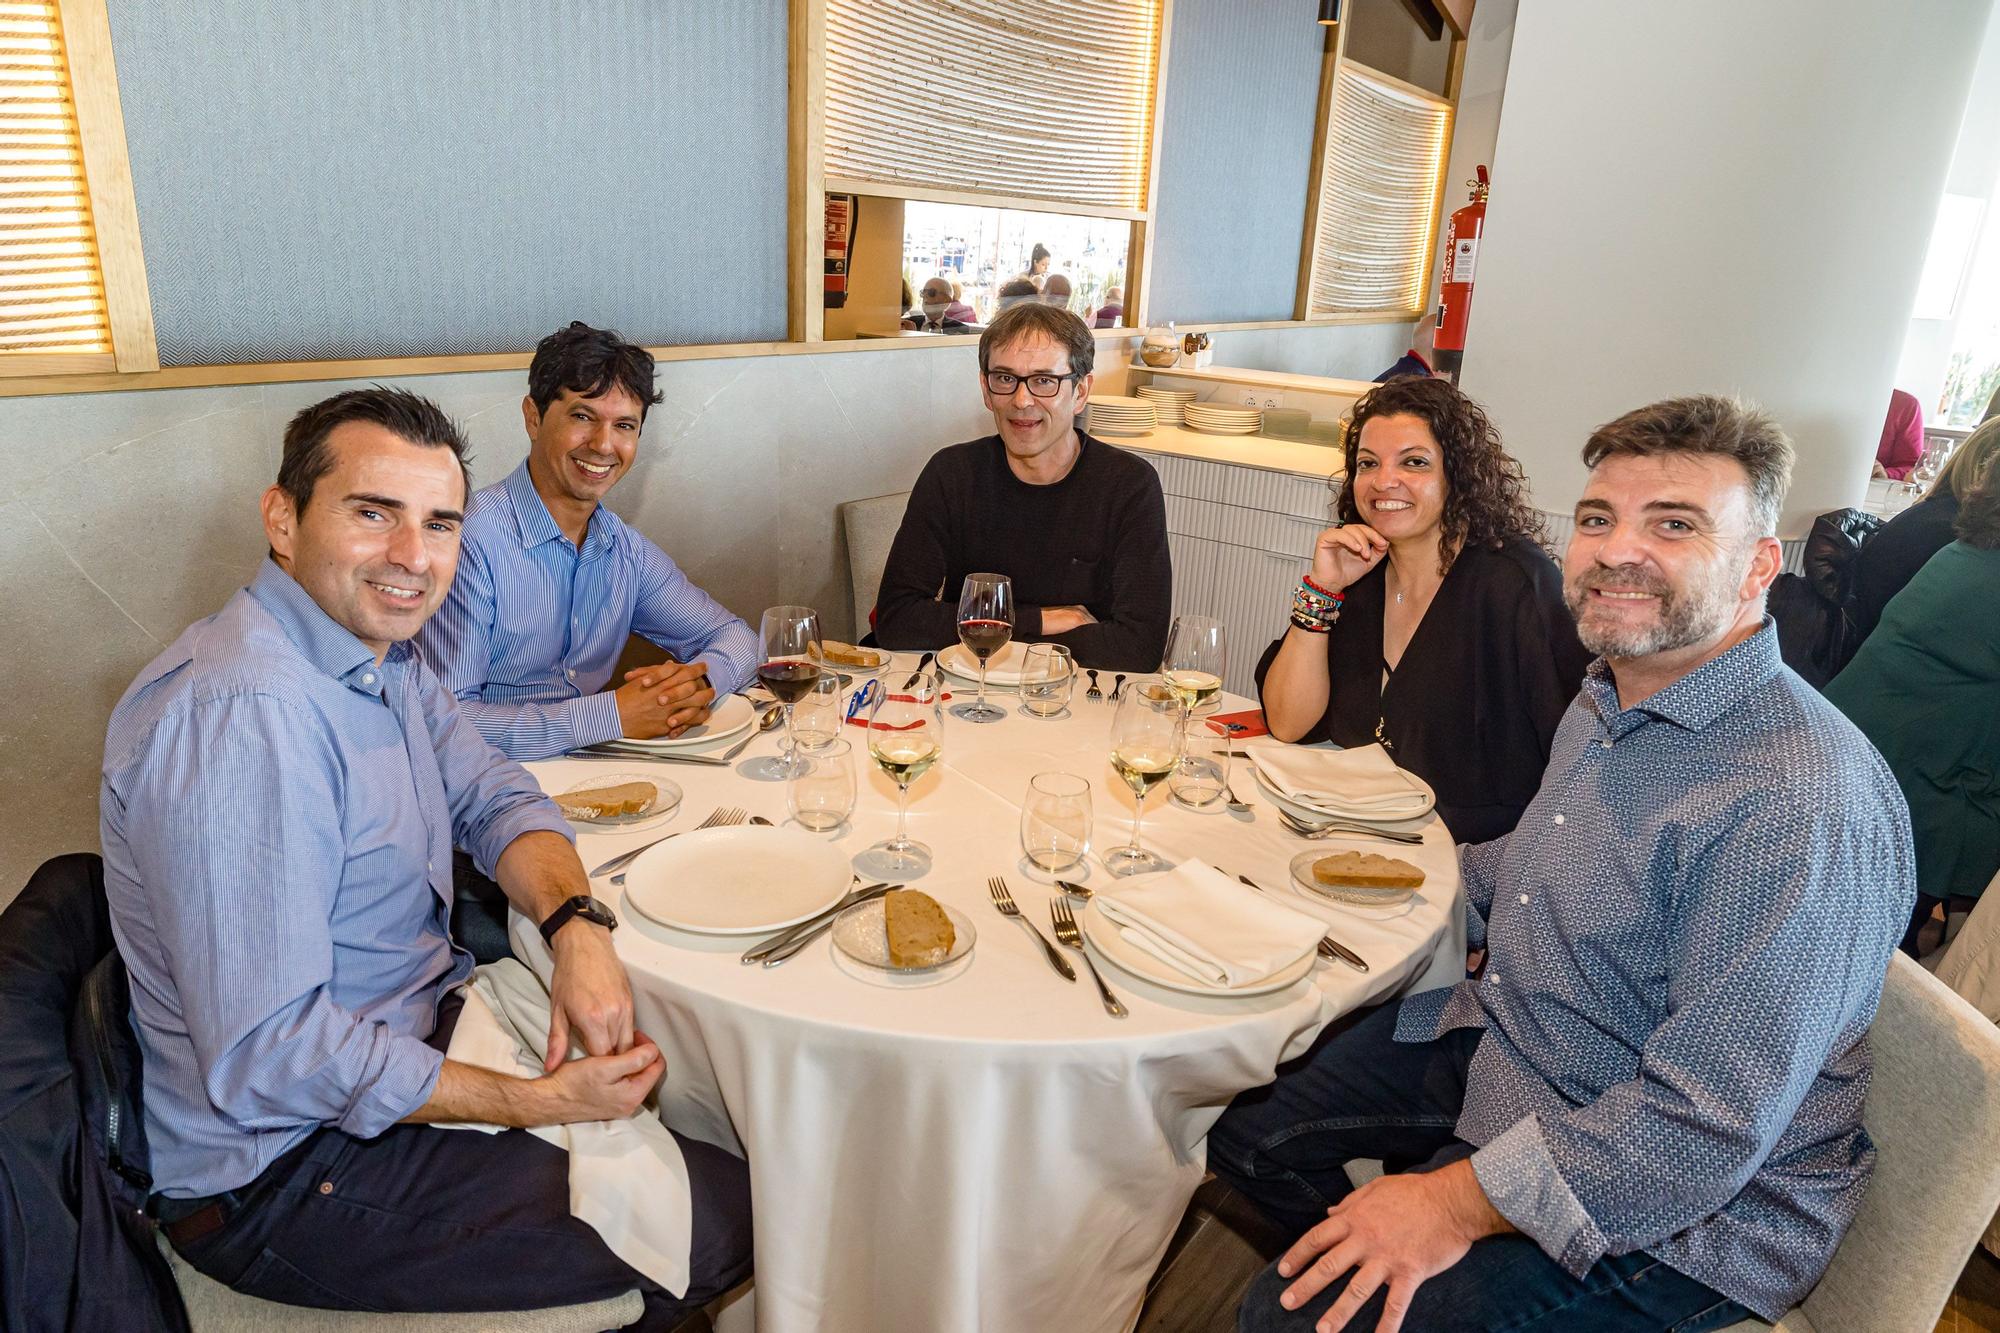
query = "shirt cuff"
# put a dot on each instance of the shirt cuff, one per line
(409, 1076)
(1027, 622)
(1520, 1179)
(594, 718)
(722, 674)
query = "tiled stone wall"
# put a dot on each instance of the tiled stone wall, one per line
(123, 516)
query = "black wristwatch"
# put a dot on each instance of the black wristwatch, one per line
(583, 905)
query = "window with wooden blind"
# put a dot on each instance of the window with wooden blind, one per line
(63, 196)
(1035, 106)
(1378, 193)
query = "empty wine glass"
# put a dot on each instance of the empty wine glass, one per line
(905, 737)
(1145, 747)
(985, 624)
(788, 669)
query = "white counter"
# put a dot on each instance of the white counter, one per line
(1258, 451)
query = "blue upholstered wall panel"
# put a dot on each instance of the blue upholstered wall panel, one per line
(412, 177)
(1235, 157)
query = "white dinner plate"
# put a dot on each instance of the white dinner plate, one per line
(742, 880)
(731, 717)
(1104, 937)
(1313, 814)
(1003, 668)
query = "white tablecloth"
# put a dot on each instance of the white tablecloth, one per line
(996, 1152)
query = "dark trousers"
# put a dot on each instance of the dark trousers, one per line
(1360, 1094)
(421, 1219)
(478, 912)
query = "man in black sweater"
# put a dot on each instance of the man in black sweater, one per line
(1077, 524)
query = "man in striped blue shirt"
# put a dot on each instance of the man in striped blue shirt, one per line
(551, 583)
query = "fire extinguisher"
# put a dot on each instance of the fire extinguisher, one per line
(1461, 257)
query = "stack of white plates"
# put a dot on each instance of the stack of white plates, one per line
(1111, 414)
(1221, 419)
(1169, 403)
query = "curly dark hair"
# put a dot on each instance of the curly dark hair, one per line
(1485, 493)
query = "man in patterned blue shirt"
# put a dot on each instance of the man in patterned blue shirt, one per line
(281, 791)
(551, 583)
(1645, 1113)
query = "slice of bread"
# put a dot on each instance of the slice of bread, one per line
(627, 798)
(846, 654)
(920, 934)
(1366, 870)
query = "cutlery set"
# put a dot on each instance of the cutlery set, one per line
(788, 942)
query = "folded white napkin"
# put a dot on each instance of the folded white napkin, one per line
(1360, 780)
(626, 1177)
(1203, 923)
(1003, 668)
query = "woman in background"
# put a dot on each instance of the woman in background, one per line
(1925, 689)
(1891, 558)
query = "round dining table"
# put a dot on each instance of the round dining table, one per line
(995, 1152)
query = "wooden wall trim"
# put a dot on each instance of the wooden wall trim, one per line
(100, 123)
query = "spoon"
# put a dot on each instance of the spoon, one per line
(1338, 830)
(1231, 800)
(774, 716)
(1074, 890)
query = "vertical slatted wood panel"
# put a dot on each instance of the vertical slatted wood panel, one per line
(1066, 115)
(1385, 145)
(51, 291)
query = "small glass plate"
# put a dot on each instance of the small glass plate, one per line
(1373, 902)
(861, 935)
(666, 799)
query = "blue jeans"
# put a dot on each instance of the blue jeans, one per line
(1360, 1094)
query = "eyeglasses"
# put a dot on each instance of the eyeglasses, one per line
(1001, 384)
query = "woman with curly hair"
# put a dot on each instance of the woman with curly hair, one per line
(1432, 619)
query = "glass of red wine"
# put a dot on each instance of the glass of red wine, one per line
(788, 669)
(985, 623)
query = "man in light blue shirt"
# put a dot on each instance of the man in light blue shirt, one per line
(1645, 1112)
(551, 583)
(282, 788)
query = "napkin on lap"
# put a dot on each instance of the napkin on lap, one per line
(1207, 925)
(1363, 778)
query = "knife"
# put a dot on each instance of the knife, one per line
(1339, 950)
(778, 947)
(922, 662)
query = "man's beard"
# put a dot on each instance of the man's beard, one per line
(1685, 616)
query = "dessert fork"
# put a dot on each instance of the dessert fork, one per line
(1071, 937)
(1093, 692)
(1004, 901)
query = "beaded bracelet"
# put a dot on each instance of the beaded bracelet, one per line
(1314, 609)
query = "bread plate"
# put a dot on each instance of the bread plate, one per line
(666, 799)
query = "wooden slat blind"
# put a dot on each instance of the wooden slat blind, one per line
(51, 291)
(1045, 99)
(1385, 146)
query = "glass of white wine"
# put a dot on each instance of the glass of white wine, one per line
(1197, 658)
(1145, 749)
(905, 737)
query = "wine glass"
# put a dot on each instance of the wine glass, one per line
(1145, 749)
(985, 623)
(1197, 657)
(905, 737)
(788, 669)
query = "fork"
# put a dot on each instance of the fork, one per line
(721, 818)
(1117, 687)
(1004, 901)
(1093, 692)
(1064, 922)
(1338, 830)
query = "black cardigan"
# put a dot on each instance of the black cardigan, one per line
(1473, 706)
